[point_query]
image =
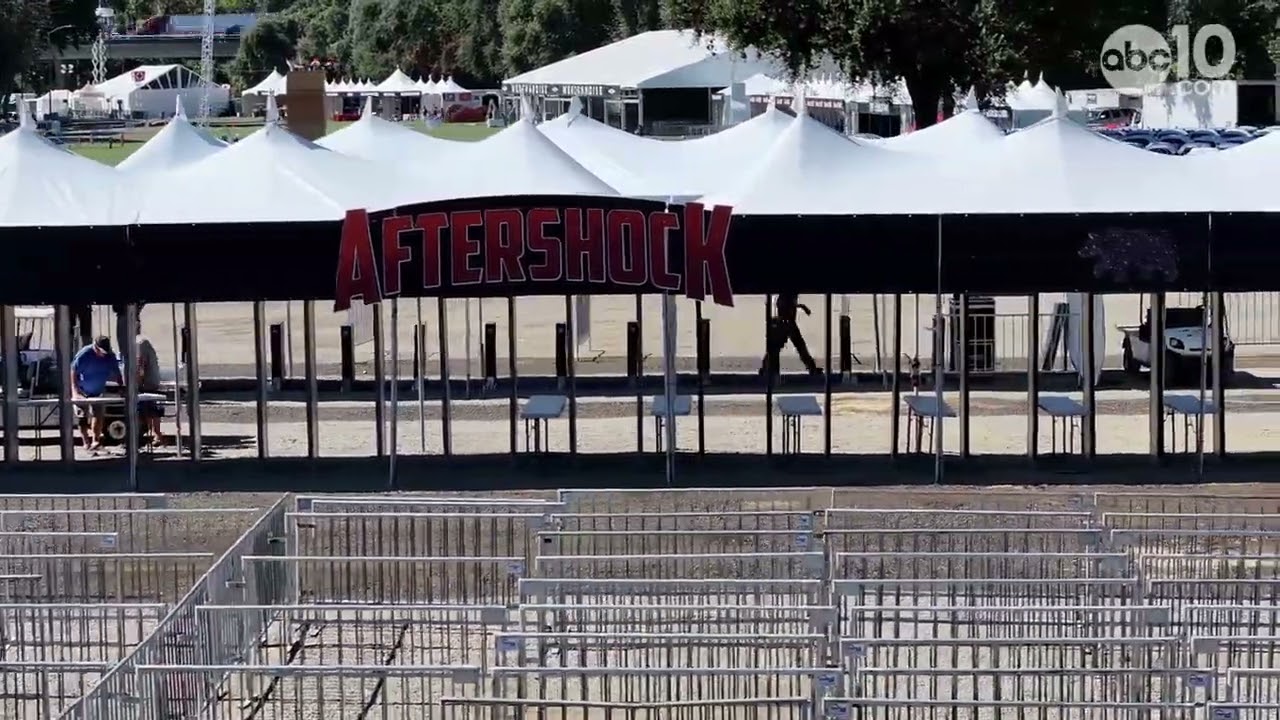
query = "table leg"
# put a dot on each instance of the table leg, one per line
(797, 441)
(919, 434)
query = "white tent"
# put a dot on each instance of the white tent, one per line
(957, 134)
(177, 144)
(397, 83)
(54, 101)
(270, 85)
(814, 170)
(272, 176)
(372, 138)
(449, 86)
(42, 184)
(152, 90)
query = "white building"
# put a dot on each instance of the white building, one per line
(153, 90)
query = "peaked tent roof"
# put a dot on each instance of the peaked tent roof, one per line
(814, 170)
(519, 160)
(178, 143)
(449, 86)
(397, 83)
(42, 184)
(631, 164)
(372, 138)
(271, 176)
(654, 59)
(957, 133)
(270, 85)
(130, 80)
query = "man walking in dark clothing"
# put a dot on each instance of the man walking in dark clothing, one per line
(783, 328)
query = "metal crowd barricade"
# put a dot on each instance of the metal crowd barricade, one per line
(1188, 502)
(671, 542)
(424, 503)
(1257, 686)
(729, 520)
(1063, 684)
(702, 500)
(39, 690)
(662, 684)
(966, 540)
(80, 503)
(26, 542)
(105, 577)
(1212, 522)
(48, 632)
(927, 519)
(420, 635)
(894, 709)
(289, 692)
(1010, 653)
(118, 696)
(1197, 542)
(1175, 566)
(980, 622)
(634, 591)
(392, 579)
(1231, 620)
(1205, 591)
(849, 594)
(699, 565)
(888, 565)
(701, 618)
(757, 708)
(1234, 652)
(659, 649)
(140, 530)
(417, 534)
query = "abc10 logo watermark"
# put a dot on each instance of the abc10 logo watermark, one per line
(1138, 56)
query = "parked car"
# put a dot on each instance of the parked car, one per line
(1184, 340)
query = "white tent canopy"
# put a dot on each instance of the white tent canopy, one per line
(382, 141)
(270, 85)
(272, 176)
(151, 91)
(449, 86)
(177, 144)
(631, 164)
(654, 59)
(957, 134)
(42, 184)
(397, 83)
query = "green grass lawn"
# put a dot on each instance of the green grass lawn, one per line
(113, 154)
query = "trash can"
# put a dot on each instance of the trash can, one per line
(980, 341)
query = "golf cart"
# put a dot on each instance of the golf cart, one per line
(1184, 341)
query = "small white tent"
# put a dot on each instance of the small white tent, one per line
(382, 141)
(397, 83)
(42, 184)
(270, 85)
(177, 144)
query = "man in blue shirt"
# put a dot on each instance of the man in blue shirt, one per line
(91, 369)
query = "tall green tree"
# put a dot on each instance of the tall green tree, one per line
(270, 45)
(29, 28)
(391, 34)
(539, 32)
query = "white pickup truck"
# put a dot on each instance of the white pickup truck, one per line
(1184, 340)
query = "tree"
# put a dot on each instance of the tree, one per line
(269, 45)
(28, 28)
(538, 32)
(391, 34)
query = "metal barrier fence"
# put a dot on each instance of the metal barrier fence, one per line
(416, 534)
(102, 577)
(137, 530)
(750, 708)
(52, 633)
(36, 690)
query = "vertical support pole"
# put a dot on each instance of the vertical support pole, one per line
(895, 383)
(394, 435)
(380, 383)
(1033, 377)
(639, 377)
(772, 368)
(960, 349)
(513, 407)
(571, 366)
(1219, 377)
(446, 398)
(9, 330)
(264, 382)
(313, 382)
(63, 346)
(347, 358)
(189, 318)
(129, 347)
(179, 361)
(1156, 408)
(277, 354)
(703, 329)
(826, 378)
(1088, 378)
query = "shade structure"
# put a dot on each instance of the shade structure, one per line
(398, 84)
(271, 176)
(177, 144)
(382, 141)
(270, 85)
(42, 184)
(519, 160)
(635, 166)
(959, 133)
(449, 86)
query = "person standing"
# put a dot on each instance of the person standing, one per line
(122, 315)
(149, 382)
(91, 369)
(783, 328)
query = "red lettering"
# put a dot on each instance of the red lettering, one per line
(503, 250)
(580, 246)
(463, 246)
(357, 267)
(705, 262)
(625, 242)
(394, 255)
(552, 266)
(432, 226)
(660, 226)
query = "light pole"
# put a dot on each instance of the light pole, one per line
(53, 52)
